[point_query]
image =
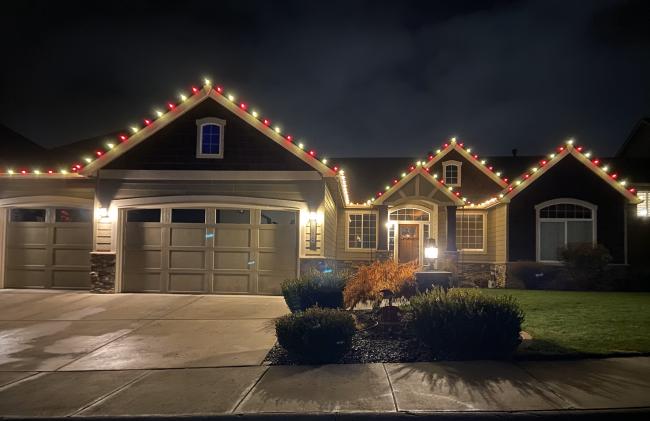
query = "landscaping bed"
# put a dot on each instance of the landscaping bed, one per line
(370, 344)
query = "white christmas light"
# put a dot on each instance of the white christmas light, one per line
(207, 82)
(110, 145)
(183, 97)
(324, 161)
(231, 97)
(606, 168)
(498, 173)
(403, 174)
(569, 142)
(63, 171)
(88, 159)
(277, 129)
(301, 146)
(10, 171)
(134, 129)
(453, 139)
(588, 154)
(37, 171)
(158, 113)
(254, 113)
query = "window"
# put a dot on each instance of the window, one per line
(233, 216)
(73, 215)
(409, 214)
(273, 217)
(470, 231)
(643, 209)
(188, 216)
(27, 215)
(561, 224)
(362, 231)
(210, 137)
(143, 215)
(451, 172)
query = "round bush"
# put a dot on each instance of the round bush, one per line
(317, 335)
(465, 324)
(314, 289)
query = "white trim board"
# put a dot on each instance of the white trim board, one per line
(210, 175)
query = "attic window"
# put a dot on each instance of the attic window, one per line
(209, 137)
(451, 173)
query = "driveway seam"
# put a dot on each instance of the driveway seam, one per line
(109, 394)
(236, 407)
(147, 322)
(390, 384)
(570, 405)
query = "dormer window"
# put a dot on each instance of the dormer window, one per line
(209, 137)
(451, 173)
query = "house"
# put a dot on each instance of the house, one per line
(208, 196)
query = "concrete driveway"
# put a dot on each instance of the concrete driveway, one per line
(71, 331)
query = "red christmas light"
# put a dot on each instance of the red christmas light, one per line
(614, 176)
(526, 176)
(147, 122)
(411, 168)
(509, 188)
(290, 138)
(490, 168)
(462, 145)
(99, 153)
(123, 138)
(266, 122)
(596, 161)
(243, 106)
(195, 89)
(543, 162)
(219, 89)
(379, 194)
(579, 149)
(561, 148)
(23, 172)
(475, 156)
(50, 172)
(632, 190)
(505, 179)
(430, 157)
(312, 153)
(445, 145)
(336, 169)
(395, 181)
(457, 194)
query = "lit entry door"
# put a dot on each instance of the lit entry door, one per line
(409, 242)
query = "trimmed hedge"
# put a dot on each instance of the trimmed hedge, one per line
(314, 289)
(465, 324)
(317, 335)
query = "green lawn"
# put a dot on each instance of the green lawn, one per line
(564, 322)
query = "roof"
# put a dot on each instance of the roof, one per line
(637, 143)
(17, 149)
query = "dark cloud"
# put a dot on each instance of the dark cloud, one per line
(353, 78)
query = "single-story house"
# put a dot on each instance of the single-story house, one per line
(208, 196)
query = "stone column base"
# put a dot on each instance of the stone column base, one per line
(102, 272)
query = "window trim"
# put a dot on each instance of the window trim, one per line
(199, 137)
(567, 201)
(446, 164)
(484, 217)
(347, 231)
(643, 193)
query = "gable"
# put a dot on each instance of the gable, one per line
(174, 147)
(419, 187)
(475, 184)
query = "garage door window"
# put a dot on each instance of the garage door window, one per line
(188, 216)
(233, 216)
(143, 215)
(273, 217)
(27, 215)
(73, 215)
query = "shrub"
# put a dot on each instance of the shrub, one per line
(317, 335)
(315, 288)
(585, 263)
(465, 324)
(368, 282)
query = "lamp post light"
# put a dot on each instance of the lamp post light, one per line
(431, 253)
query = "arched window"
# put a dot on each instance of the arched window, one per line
(562, 223)
(209, 142)
(451, 173)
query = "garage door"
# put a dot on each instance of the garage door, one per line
(48, 248)
(209, 250)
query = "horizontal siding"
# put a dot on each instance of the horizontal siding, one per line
(79, 188)
(310, 192)
(341, 238)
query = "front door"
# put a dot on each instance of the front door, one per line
(409, 242)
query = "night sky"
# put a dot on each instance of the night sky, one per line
(351, 78)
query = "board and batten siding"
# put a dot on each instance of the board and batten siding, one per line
(330, 223)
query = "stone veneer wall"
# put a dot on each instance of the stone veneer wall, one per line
(102, 272)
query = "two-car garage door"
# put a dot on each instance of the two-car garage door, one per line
(209, 250)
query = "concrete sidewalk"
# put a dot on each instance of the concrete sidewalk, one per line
(363, 389)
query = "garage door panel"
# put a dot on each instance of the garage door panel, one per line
(28, 235)
(271, 283)
(137, 260)
(187, 259)
(276, 261)
(70, 279)
(232, 260)
(72, 257)
(142, 282)
(229, 283)
(232, 237)
(186, 282)
(27, 256)
(73, 235)
(27, 278)
(140, 234)
(188, 237)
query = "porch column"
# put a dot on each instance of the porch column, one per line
(382, 233)
(451, 228)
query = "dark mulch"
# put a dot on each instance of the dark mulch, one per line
(371, 344)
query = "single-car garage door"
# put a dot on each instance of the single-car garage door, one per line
(209, 250)
(48, 248)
